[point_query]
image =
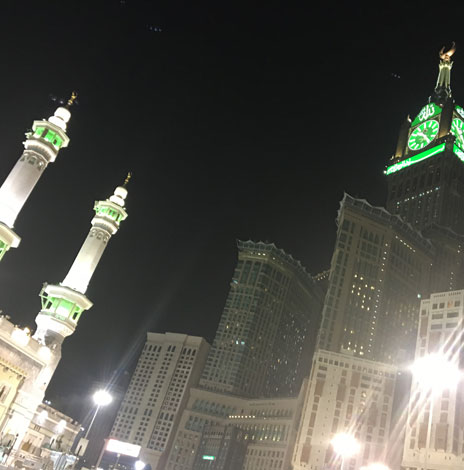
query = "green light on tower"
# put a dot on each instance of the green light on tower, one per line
(208, 457)
(458, 152)
(423, 156)
(428, 111)
(3, 249)
(415, 159)
(423, 135)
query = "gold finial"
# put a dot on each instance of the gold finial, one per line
(72, 99)
(446, 56)
(128, 177)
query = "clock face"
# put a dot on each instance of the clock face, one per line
(457, 129)
(422, 135)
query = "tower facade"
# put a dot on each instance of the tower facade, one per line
(379, 270)
(267, 328)
(169, 365)
(41, 147)
(345, 394)
(434, 437)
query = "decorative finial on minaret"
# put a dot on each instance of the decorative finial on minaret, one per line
(443, 87)
(71, 99)
(447, 55)
(128, 178)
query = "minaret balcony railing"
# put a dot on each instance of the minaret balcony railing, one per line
(49, 135)
(54, 130)
(109, 215)
(8, 239)
(63, 303)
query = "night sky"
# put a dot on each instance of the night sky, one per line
(237, 121)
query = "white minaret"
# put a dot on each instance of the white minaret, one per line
(63, 304)
(40, 148)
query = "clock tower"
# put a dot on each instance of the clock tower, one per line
(426, 176)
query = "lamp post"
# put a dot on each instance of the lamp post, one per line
(100, 398)
(345, 446)
(433, 374)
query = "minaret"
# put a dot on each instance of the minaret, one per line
(63, 304)
(40, 148)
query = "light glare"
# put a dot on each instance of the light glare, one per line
(345, 444)
(436, 372)
(102, 398)
(139, 465)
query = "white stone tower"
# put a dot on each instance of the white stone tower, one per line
(41, 147)
(63, 304)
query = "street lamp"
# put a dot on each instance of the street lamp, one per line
(139, 465)
(100, 398)
(434, 373)
(345, 445)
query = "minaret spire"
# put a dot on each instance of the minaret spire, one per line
(71, 100)
(443, 88)
(63, 304)
(128, 178)
(41, 147)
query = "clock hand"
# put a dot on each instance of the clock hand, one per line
(425, 137)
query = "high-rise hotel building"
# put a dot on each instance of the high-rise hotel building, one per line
(168, 366)
(345, 394)
(251, 391)
(380, 269)
(384, 261)
(425, 178)
(266, 334)
(435, 423)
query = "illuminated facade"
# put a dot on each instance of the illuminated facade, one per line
(264, 436)
(345, 394)
(267, 330)
(30, 361)
(384, 261)
(221, 448)
(425, 179)
(262, 348)
(426, 173)
(48, 440)
(440, 331)
(41, 147)
(380, 268)
(168, 366)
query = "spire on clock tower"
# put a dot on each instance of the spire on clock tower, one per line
(443, 88)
